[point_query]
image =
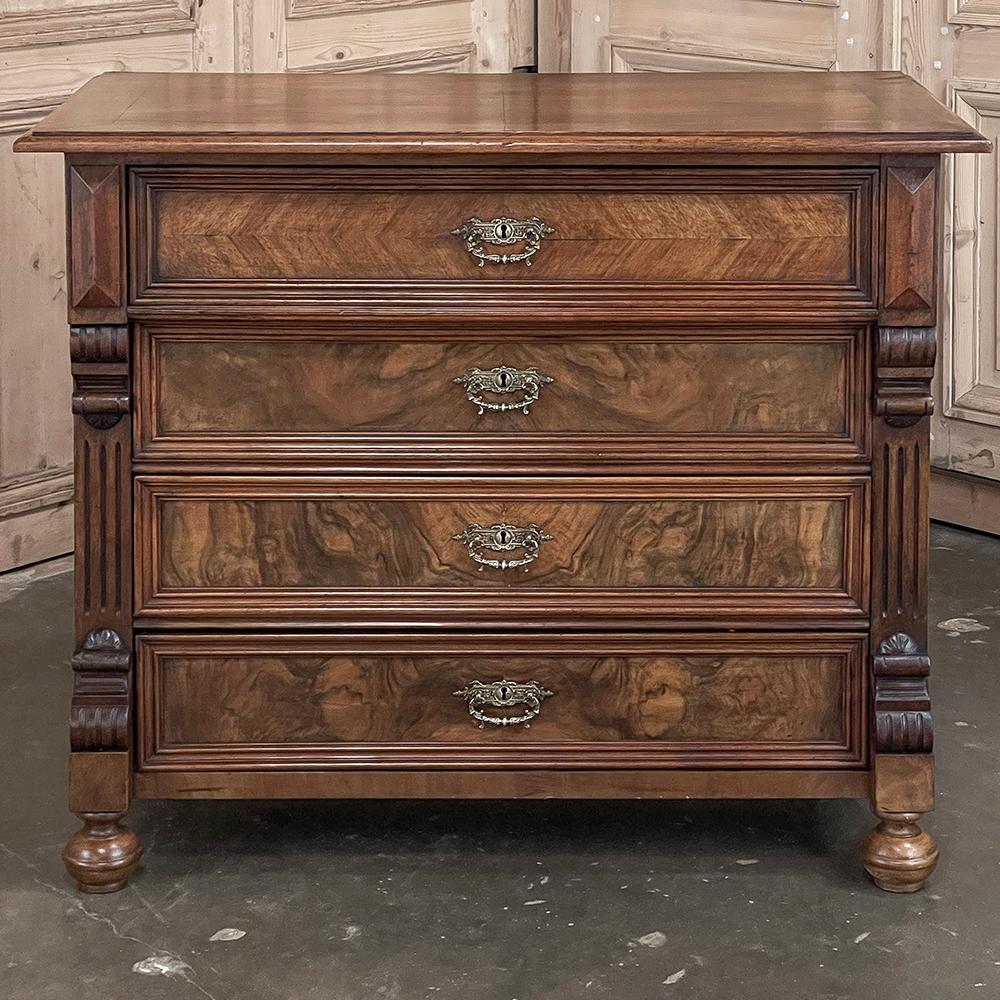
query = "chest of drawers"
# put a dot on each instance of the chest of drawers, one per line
(500, 437)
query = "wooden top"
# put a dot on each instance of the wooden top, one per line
(717, 113)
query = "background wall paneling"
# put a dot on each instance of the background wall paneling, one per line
(48, 49)
(953, 48)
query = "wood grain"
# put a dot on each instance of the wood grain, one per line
(334, 397)
(737, 306)
(384, 550)
(205, 233)
(515, 113)
(739, 236)
(96, 241)
(909, 275)
(100, 712)
(367, 700)
(188, 782)
(341, 542)
(271, 385)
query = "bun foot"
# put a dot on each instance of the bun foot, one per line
(898, 855)
(101, 856)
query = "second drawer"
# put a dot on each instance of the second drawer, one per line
(511, 551)
(501, 398)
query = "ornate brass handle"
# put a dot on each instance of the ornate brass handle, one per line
(503, 380)
(503, 232)
(504, 694)
(503, 538)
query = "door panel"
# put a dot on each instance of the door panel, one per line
(952, 47)
(50, 48)
(623, 36)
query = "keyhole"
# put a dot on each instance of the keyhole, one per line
(503, 379)
(504, 231)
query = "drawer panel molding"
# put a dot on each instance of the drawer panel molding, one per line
(341, 396)
(242, 701)
(656, 235)
(356, 550)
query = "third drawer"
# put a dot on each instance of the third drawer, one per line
(503, 551)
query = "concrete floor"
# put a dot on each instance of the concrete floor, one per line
(497, 901)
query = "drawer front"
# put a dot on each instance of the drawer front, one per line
(504, 549)
(225, 395)
(607, 701)
(775, 235)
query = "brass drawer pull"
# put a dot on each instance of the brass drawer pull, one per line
(503, 538)
(503, 232)
(504, 694)
(500, 380)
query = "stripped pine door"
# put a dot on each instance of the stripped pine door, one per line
(953, 48)
(628, 36)
(49, 48)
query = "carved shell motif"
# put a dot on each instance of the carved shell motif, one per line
(899, 644)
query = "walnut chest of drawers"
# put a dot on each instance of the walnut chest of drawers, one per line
(501, 437)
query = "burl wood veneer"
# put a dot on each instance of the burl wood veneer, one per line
(705, 700)
(523, 436)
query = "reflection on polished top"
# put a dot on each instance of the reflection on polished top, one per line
(715, 113)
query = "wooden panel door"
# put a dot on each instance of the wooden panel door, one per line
(676, 36)
(49, 48)
(398, 36)
(953, 48)
(959, 61)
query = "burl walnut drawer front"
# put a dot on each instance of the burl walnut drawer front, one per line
(432, 399)
(572, 551)
(245, 701)
(502, 234)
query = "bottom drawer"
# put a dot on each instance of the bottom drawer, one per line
(297, 702)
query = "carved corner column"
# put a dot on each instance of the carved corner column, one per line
(898, 854)
(102, 855)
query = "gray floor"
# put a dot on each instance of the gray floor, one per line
(494, 901)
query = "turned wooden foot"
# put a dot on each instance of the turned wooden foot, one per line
(103, 854)
(898, 855)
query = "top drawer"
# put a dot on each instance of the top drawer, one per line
(457, 237)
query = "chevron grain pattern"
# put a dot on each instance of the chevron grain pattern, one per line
(789, 229)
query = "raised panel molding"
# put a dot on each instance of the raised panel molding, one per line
(96, 242)
(910, 273)
(326, 8)
(36, 517)
(78, 22)
(447, 59)
(17, 116)
(972, 324)
(645, 55)
(981, 12)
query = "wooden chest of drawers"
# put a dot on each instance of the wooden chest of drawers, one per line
(501, 437)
